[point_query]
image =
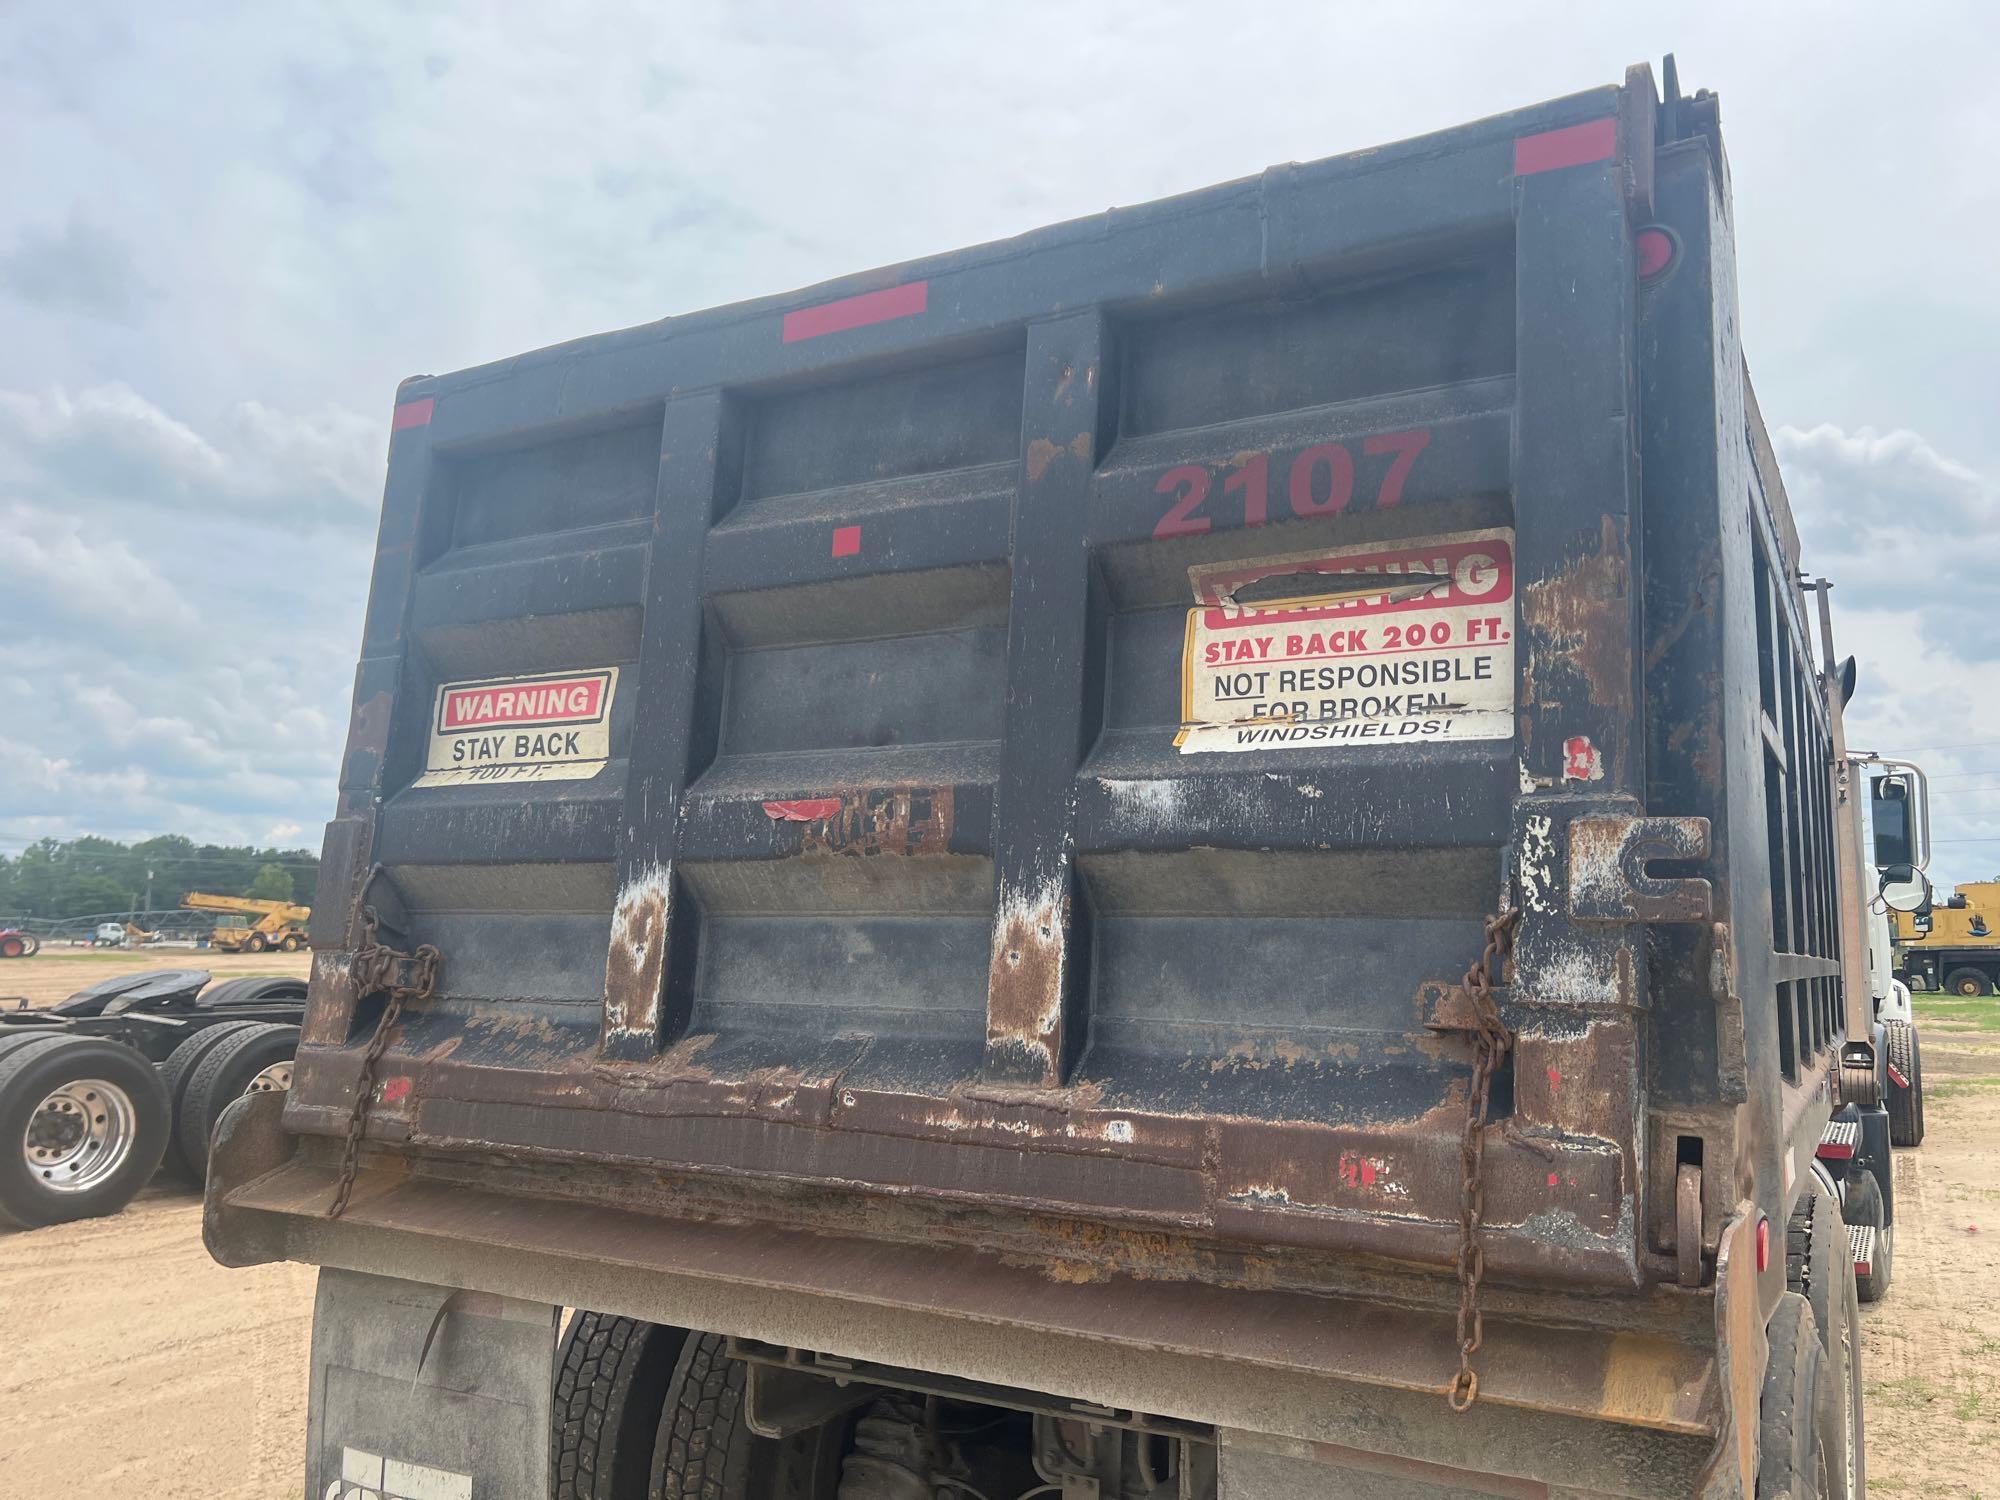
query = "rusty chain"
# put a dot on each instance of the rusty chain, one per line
(375, 968)
(1491, 1043)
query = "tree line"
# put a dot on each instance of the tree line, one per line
(56, 879)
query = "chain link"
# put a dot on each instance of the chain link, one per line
(1491, 1043)
(375, 968)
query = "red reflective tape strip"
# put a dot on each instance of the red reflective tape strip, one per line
(414, 414)
(1572, 146)
(846, 541)
(1835, 1151)
(1897, 1078)
(904, 301)
(809, 810)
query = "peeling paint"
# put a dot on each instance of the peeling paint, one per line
(1153, 804)
(635, 963)
(894, 821)
(1581, 762)
(1025, 985)
(1538, 863)
(1041, 453)
(1582, 612)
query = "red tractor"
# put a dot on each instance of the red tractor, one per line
(15, 943)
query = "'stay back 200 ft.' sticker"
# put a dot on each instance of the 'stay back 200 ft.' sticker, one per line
(1409, 643)
(555, 726)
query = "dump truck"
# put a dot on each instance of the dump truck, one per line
(280, 925)
(1203, 853)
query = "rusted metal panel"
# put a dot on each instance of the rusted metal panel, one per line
(919, 918)
(1643, 1379)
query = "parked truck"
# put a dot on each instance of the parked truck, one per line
(1954, 945)
(1202, 853)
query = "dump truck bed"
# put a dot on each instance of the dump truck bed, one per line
(954, 807)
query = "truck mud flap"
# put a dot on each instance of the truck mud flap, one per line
(424, 1393)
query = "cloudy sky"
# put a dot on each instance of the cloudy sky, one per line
(229, 230)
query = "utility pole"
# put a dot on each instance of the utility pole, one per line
(149, 890)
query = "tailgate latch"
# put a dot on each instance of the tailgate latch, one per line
(1608, 856)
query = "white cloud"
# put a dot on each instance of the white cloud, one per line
(265, 467)
(79, 268)
(1888, 515)
(1907, 536)
(66, 569)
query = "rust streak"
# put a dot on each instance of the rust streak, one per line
(1024, 1003)
(901, 820)
(635, 963)
(1581, 612)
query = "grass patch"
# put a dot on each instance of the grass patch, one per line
(1981, 1011)
(1907, 1394)
(1957, 1088)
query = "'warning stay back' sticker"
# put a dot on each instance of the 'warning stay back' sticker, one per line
(551, 727)
(1408, 643)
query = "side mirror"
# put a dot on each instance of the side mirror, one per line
(1894, 843)
(1905, 888)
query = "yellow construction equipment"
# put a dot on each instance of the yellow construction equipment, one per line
(280, 925)
(1955, 946)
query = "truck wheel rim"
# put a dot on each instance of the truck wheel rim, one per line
(276, 1079)
(80, 1135)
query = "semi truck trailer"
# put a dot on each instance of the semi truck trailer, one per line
(1195, 854)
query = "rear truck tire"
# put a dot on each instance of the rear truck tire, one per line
(611, 1385)
(1906, 1099)
(174, 1075)
(14, 1041)
(705, 1450)
(1791, 1456)
(1968, 982)
(1819, 1266)
(220, 1078)
(1865, 1207)
(83, 1123)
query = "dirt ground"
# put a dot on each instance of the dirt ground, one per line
(57, 973)
(135, 1365)
(1933, 1344)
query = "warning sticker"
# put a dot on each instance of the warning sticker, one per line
(1412, 642)
(552, 727)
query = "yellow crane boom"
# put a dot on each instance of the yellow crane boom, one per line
(279, 924)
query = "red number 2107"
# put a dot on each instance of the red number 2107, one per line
(1321, 483)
